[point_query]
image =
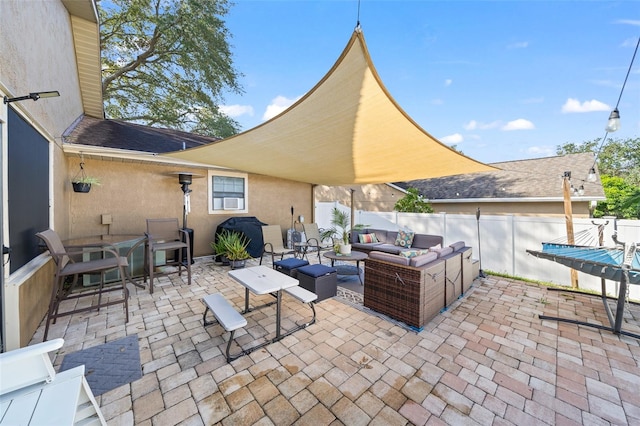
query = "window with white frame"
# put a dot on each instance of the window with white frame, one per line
(228, 192)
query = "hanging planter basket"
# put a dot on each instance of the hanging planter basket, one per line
(81, 182)
(81, 186)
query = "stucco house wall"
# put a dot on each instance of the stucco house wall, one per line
(37, 55)
(133, 192)
(372, 197)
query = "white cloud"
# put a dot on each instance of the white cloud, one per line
(437, 102)
(629, 22)
(277, 105)
(235, 111)
(476, 125)
(448, 82)
(518, 45)
(452, 139)
(574, 105)
(519, 124)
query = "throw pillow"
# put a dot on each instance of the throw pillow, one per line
(367, 238)
(404, 238)
(413, 253)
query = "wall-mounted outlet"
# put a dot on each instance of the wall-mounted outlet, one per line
(106, 219)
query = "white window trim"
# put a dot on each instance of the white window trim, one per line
(210, 175)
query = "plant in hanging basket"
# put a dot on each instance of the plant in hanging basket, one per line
(83, 183)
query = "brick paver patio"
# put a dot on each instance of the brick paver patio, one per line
(488, 360)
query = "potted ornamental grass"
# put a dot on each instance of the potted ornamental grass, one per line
(339, 231)
(233, 246)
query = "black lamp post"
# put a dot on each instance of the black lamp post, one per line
(185, 180)
(481, 272)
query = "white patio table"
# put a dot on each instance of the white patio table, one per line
(264, 280)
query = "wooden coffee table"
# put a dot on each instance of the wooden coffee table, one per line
(355, 256)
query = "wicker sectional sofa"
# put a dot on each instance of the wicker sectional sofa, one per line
(386, 241)
(414, 290)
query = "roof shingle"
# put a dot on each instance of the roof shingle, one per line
(532, 178)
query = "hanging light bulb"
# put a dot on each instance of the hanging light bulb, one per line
(614, 121)
(592, 175)
(581, 190)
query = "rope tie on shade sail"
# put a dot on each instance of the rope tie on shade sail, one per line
(624, 83)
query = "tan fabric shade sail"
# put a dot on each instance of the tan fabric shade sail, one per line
(346, 130)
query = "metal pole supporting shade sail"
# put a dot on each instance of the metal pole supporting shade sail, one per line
(621, 264)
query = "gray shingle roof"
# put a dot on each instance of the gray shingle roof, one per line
(123, 135)
(533, 178)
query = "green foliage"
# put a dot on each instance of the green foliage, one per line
(617, 157)
(413, 202)
(167, 63)
(87, 179)
(619, 165)
(231, 244)
(340, 224)
(619, 194)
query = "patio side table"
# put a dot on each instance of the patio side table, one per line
(355, 256)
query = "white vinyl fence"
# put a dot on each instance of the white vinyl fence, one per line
(501, 242)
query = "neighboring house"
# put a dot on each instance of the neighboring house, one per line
(55, 45)
(370, 197)
(523, 187)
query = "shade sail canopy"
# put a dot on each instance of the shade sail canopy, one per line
(346, 130)
(603, 262)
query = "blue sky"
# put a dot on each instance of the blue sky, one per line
(501, 80)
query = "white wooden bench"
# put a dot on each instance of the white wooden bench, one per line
(305, 296)
(32, 393)
(226, 316)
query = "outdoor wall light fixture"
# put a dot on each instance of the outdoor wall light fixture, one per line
(614, 121)
(33, 95)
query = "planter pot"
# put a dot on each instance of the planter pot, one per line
(81, 186)
(345, 249)
(237, 264)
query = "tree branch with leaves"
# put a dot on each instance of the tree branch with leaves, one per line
(167, 63)
(413, 202)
